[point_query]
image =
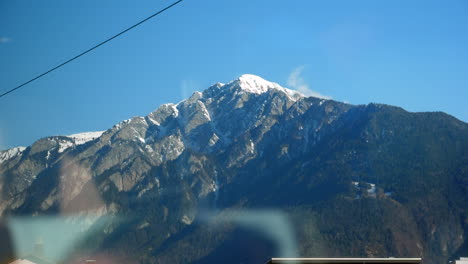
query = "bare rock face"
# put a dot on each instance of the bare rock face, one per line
(255, 171)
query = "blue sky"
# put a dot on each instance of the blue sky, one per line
(407, 53)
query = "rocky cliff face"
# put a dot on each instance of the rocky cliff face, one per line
(249, 170)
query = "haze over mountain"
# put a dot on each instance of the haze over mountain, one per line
(248, 170)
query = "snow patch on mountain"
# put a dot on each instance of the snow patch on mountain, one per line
(64, 145)
(186, 220)
(10, 153)
(370, 188)
(66, 142)
(84, 137)
(214, 138)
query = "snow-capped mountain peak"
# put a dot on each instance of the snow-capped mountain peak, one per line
(255, 84)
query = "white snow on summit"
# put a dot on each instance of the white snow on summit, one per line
(10, 153)
(255, 84)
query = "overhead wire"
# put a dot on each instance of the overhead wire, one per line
(91, 49)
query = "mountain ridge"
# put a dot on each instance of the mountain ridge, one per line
(226, 154)
(245, 82)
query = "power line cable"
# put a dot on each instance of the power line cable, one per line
(91, 49)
